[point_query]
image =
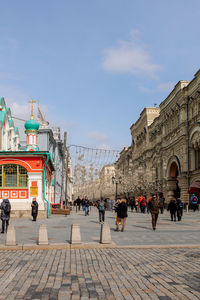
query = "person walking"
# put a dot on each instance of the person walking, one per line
(101, 207)
(34, 206)
(172, 208)
(162, 203)
(121, 214)
(87, 206)
(5, 214)
(179, 207)
(143, 205)
(153, 207)
(132, 203)
(78, 203)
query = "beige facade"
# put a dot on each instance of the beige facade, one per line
(165, 150)
(107, 188)
(100, 187)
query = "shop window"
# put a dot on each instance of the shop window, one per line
(13, 176)
(197, 159)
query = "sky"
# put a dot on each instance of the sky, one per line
(93, 65)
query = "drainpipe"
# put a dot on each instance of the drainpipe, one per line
(43, 183)
(188, 141)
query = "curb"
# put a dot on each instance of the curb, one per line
(68, 246)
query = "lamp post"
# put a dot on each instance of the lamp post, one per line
(116, 182)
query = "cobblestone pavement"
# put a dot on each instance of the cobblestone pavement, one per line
(138, 230)
(100, 274)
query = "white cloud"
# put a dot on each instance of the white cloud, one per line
(98, 136)
(130, 57)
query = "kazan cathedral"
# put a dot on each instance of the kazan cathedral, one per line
(23, 174)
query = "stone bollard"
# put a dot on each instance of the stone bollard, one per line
(75, 234)
(43, 236)
(187, 210)
(105, 236)
(11, 236)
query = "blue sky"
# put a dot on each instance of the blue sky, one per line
(95, 64)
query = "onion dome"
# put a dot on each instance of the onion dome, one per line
(32, 125)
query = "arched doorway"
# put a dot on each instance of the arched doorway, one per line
(173, 188)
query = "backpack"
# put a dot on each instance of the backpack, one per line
(101, 206)
(7, 208)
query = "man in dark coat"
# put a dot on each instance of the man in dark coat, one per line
(179, 206)
(132, 203)
(34, 206)
(78, 202)
(5, 214)
(153, 207)
(172, 208)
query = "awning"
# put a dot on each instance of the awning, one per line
(194, 187)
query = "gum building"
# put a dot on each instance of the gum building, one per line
(165, 152)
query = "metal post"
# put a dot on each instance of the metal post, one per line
(116, 191)
(66, 174)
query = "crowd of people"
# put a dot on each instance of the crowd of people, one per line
(154, 205)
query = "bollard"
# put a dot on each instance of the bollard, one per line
(75, 234)
(105, 236)
(43, 236)
(11, 236)
(187, 210)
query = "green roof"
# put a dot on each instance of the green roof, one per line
(31, 125)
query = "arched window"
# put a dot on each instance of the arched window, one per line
(13, 176)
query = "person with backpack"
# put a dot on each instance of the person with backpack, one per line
(5, 214)
(34, 206)
(101, 207)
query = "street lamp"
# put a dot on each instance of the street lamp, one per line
(116, 182)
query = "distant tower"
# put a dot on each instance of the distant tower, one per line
(31, 131)
(56, 133)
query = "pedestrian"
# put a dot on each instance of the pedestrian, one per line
(172, 208)
(121, 214)
(136, 205)
(83, 204)
(78, 203)
(101, 207)
(5, 214)
(132, 203)
(162, 203)
(153, 207)
(179, 207)
(143, 205)
(87, 206)
(34, 206)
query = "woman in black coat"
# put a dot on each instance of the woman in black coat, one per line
(34, 206)
(5, 214)
(121, 214)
